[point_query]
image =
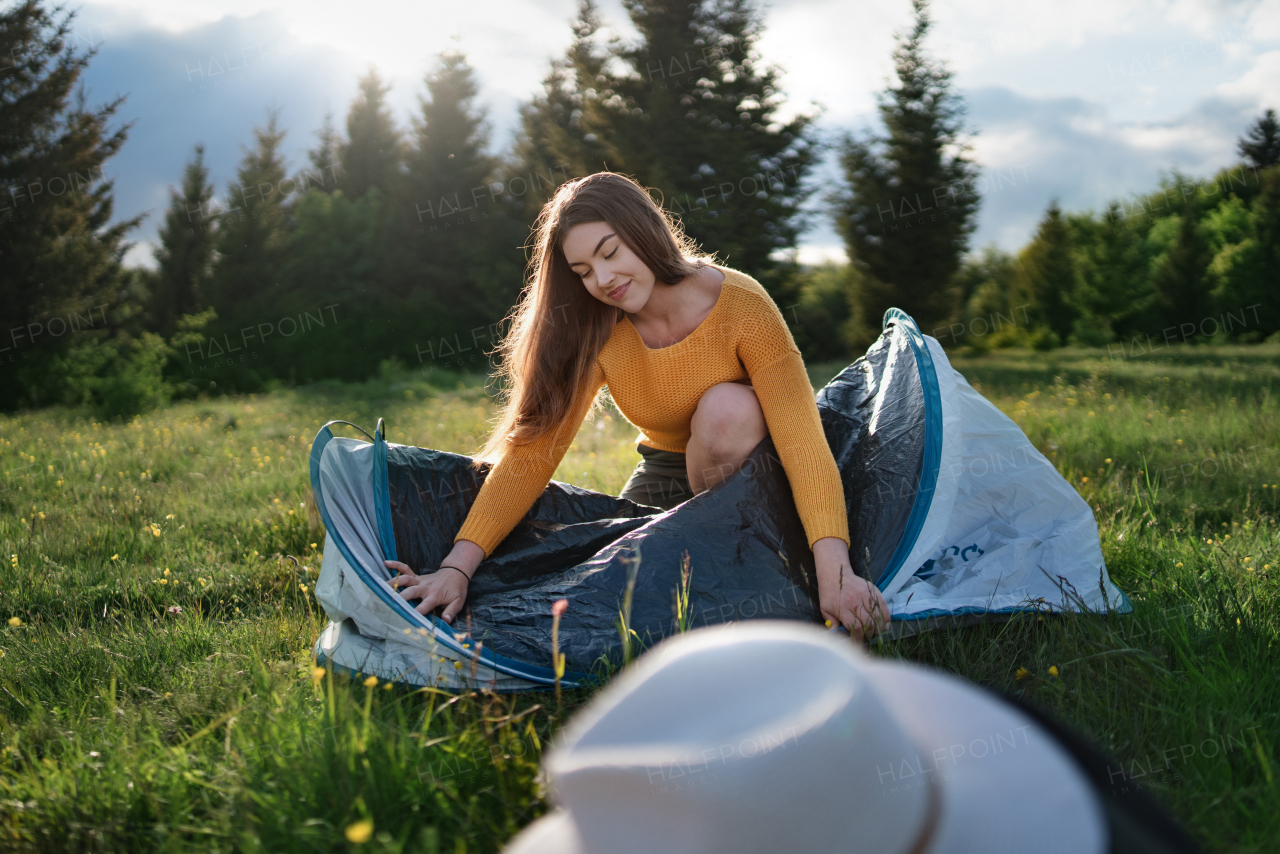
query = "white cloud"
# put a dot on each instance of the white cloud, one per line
(1260, 85)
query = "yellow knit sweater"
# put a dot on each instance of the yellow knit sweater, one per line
(744, 338)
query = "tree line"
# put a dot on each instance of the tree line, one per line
(405, 247)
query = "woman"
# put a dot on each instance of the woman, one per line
(694, 353)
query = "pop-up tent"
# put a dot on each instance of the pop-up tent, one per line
(953, 514)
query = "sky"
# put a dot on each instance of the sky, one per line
(1083, 102)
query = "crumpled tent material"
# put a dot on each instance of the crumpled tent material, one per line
(953, 514)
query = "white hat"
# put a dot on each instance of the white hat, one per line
(772, 736)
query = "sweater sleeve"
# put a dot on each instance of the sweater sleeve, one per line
(772, 360)
(515, 481)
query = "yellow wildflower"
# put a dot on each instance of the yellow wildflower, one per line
(371, 682)
(1178, 564)
(317, 673)
(1107, 460)
(1023, 673)
(1053, 671)
(115, 557)
(360, 832)
(14, 622)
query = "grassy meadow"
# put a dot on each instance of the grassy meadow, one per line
(157, 690)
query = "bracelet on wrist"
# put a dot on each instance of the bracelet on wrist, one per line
(447, 566)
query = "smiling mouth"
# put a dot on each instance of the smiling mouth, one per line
(613, 294)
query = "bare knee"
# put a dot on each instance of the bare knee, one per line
(728, 421)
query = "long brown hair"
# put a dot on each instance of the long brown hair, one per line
(558, 328)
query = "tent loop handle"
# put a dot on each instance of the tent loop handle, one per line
(357, 426)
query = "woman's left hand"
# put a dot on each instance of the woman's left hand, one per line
(845, 597)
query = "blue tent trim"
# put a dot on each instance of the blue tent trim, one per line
(1125, 607)
(382, 493)
(932, 442)
(382, 498)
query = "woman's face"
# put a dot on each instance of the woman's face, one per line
(609, 270)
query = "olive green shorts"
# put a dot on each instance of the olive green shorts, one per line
(660, 480)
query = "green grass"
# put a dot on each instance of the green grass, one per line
(125, 726)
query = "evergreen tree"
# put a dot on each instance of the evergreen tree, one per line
(461, 246)
(984, 287)
(332, 265)
(1180, 275)
(324, 159)
(818, 310)
(991, 264)
(60, 271)
(185, 256)
(252, 229)
(1261, 146)
(691, 112)
(374, 151)
(1113, 293)
(909, 206)
(1046, 277)
(1247, 273)
(556, 141)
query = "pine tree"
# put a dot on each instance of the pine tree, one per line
(460, 245)
(324, 158)
(60, 271)
(984, 287)
(448, 168)
(374, 150)
(185, 256)
(556, 141)
(1113, 294)
(1046, 276)
(909, 205)
(691, 113)
(1261, 146)
(252, 229)
(1180, 275)
(1247, 273)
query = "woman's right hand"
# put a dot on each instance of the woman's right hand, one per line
(445, 587)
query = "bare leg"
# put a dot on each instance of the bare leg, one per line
(727, 426)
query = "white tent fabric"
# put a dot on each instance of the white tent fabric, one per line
(1005, 531)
